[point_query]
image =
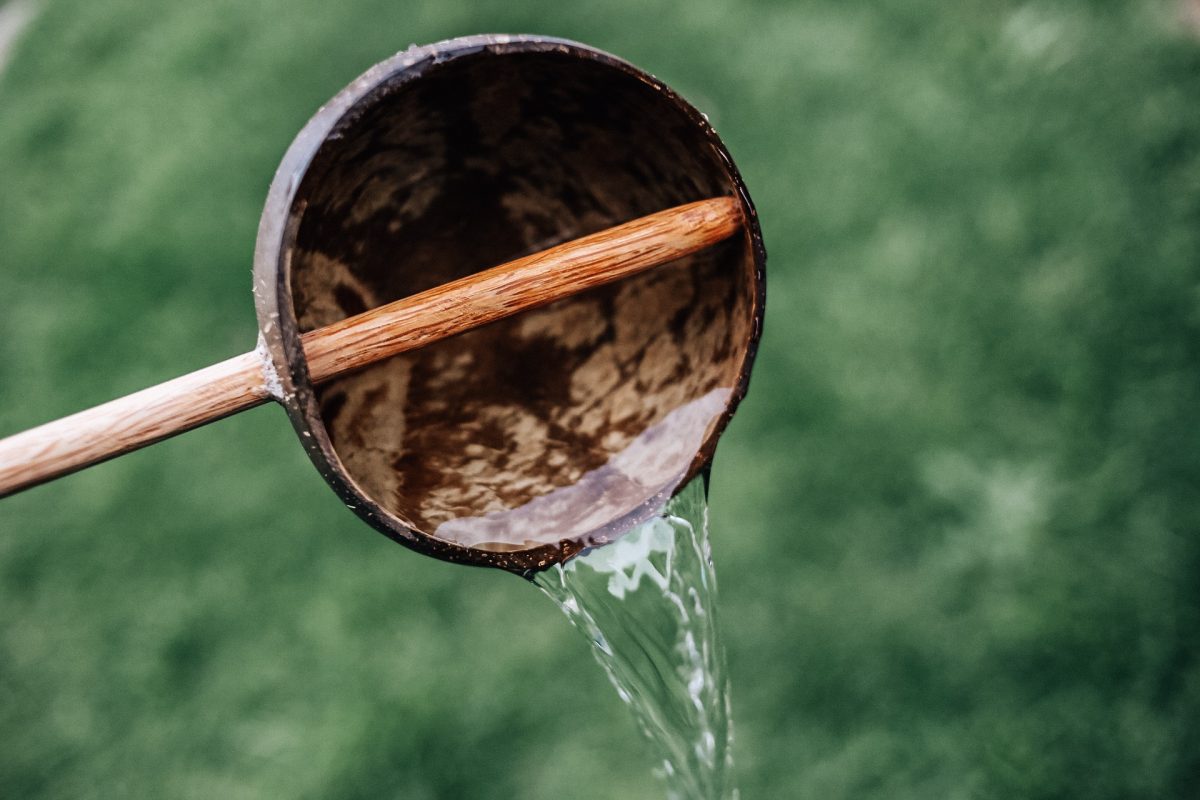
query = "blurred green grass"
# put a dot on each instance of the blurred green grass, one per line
(956, 520)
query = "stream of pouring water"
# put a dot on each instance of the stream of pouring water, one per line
(647, 602)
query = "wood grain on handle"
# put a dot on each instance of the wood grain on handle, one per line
(119, 426)
(519, 285)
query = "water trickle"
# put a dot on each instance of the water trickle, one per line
(647, 602)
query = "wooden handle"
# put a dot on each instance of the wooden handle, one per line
(151, 415)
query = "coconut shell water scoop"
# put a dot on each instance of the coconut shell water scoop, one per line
(509, 290)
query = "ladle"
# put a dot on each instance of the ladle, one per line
(522, 442)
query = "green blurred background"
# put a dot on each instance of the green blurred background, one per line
(957, 520)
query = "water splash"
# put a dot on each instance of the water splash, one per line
(648, 603)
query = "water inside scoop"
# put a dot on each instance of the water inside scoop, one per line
(605, 502)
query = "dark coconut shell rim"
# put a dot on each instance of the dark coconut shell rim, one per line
(278, 329)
